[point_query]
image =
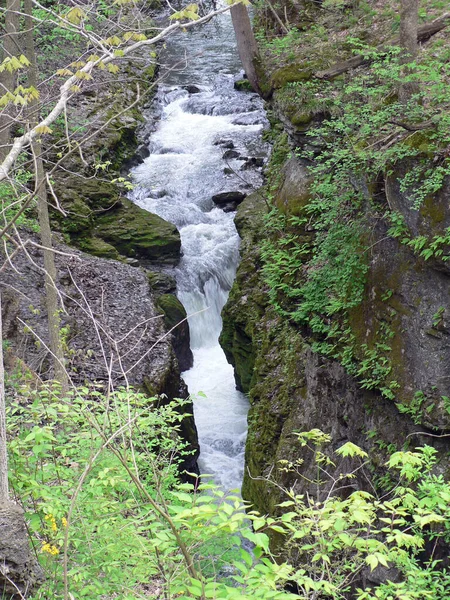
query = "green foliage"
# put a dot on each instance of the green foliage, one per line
(344, 535)
(98, 478)
(12, 195)
(315, 264)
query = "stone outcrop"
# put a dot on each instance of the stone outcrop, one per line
(95, 215)
(294, 389)
(112, 327)
(19, 569)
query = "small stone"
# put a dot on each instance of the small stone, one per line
(230, 154)
(226, 198)
(224, 143)
(192, 89)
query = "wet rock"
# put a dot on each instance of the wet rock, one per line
(252, 163)
(162, 283)
(175, 318)
(228, 197)
(192, 89)
(142, 152)
(224, 143)
(229, 154)
(250, 119)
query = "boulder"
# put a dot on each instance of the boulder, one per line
(136, 233)
(20, 572)
(113, 327)
(228, 197)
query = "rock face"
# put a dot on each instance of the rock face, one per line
(294, 389)
(17, 564)
(113, 328)
(96, 217)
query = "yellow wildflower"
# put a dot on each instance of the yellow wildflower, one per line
(52, 522)
(64, 521)
(50, 549)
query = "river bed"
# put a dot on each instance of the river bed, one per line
(207, 140)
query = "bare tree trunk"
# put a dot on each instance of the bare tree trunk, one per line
(409, 23)
(4, 491)
(246, 44)
(11, 47)
(51, 294)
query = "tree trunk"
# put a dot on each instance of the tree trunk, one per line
(51, 295)
(246, 44)
(11, 47)
(409, 23)
(4, 491)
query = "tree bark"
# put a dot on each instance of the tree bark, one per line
(4, 491)
(11, 47)
(51, 294)
(409, 23)
(246, 44)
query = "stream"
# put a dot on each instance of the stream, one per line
(207, 139)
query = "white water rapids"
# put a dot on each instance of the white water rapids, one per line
(177, 181)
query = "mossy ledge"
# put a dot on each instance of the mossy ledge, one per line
(96, 217)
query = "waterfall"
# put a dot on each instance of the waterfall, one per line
(207, 140)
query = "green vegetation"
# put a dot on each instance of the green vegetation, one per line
(98, 478)
(12, 195)
(357, 135)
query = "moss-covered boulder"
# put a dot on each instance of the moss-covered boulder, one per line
(98, 247)
(290, 74)
(135, 232)
(175, 318)
(294, 192)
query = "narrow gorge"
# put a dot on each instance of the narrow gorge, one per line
(252, 301)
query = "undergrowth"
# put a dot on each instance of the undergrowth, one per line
(98, 478)
(359, 134)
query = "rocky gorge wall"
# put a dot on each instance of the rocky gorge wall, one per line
(121, 319)
(378, 376)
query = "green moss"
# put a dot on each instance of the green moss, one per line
(301, 119)
(289, 74)
(174, 311)
(134, 232)
(434, 212)
(421, 141)
(98, 247)
(243, 85)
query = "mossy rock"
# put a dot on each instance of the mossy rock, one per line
(95, 194)
(243, 85)
(98, 247)
(302, 119)
(161, 283)
(294, 193)
(136, 233)
(174, 311)
(290, 74)
(78, 214)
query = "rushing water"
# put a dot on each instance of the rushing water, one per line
(201, 118)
